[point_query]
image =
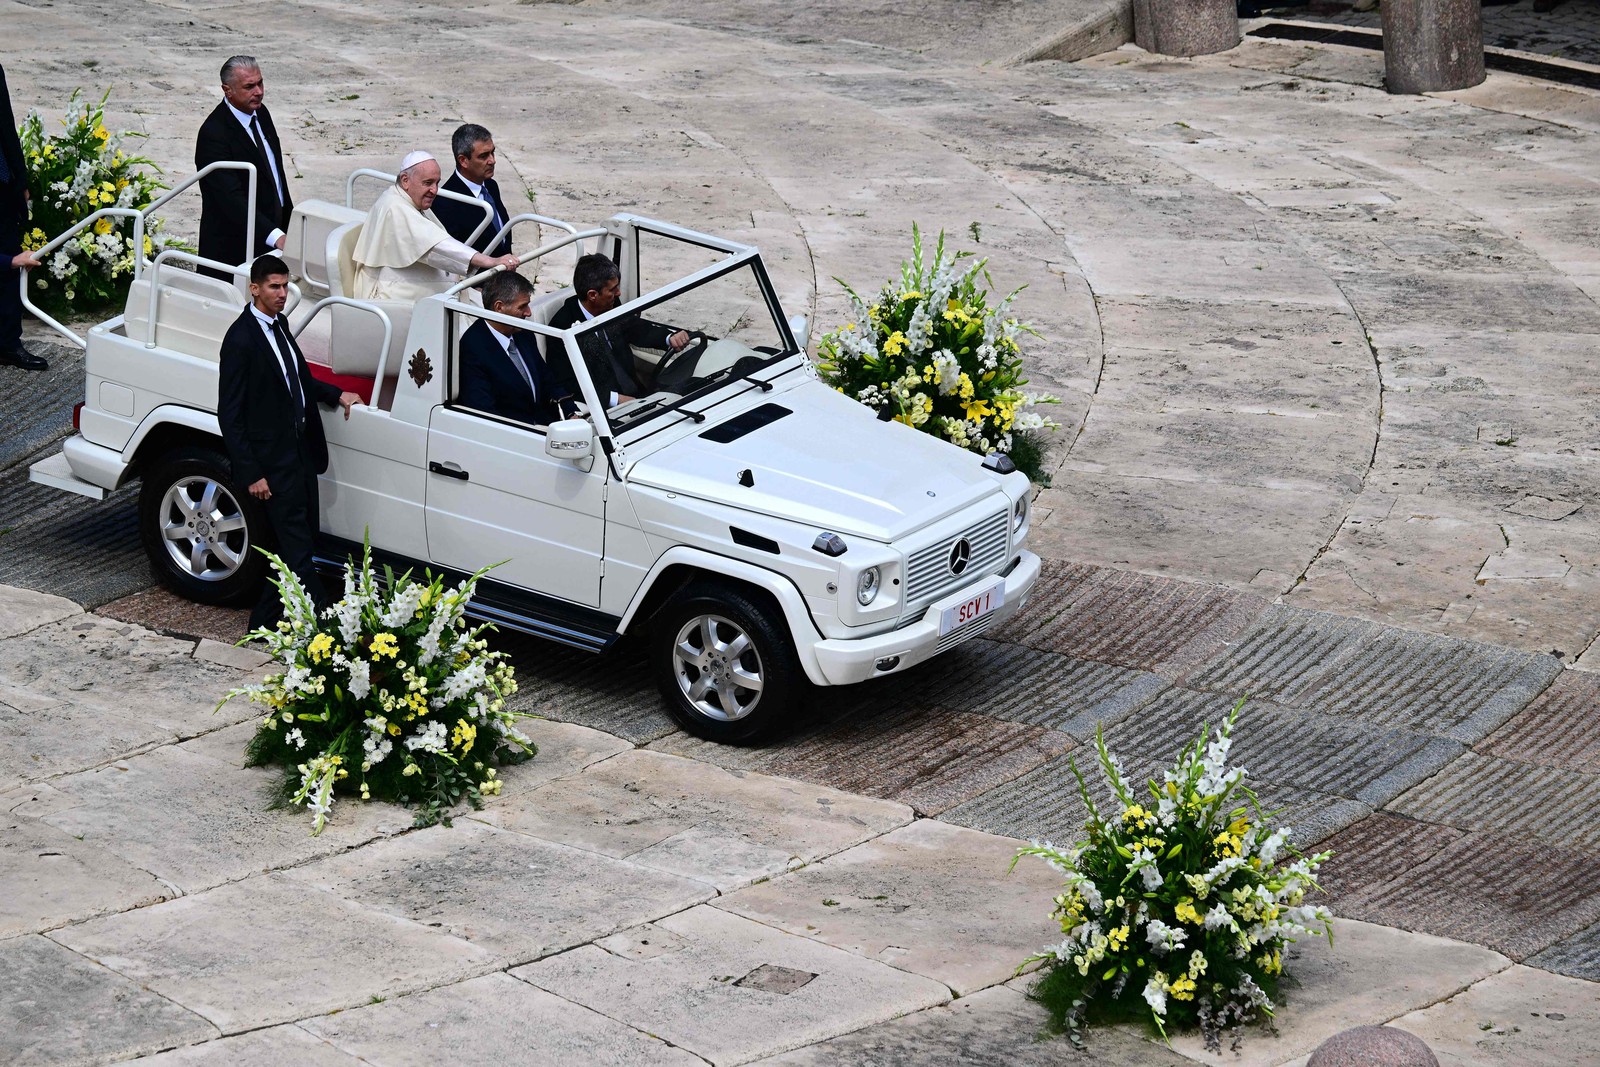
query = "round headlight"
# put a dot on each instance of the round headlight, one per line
(867, 587)
(1019, 513)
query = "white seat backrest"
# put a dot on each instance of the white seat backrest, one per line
(544, 307)
(339, 254)
(305, 245)
(193, 311)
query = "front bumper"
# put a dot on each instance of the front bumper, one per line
(844, 661)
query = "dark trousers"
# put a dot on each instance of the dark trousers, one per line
(11, 219)
(292, 511)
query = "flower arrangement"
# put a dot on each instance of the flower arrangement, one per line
(73, 175)
(934, 353)
(386, 693)
(1178, 908)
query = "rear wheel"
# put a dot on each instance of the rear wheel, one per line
(200, 529)
(725, 665)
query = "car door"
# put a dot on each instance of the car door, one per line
(493, 495)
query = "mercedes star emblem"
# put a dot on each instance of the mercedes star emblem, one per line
(960, 556)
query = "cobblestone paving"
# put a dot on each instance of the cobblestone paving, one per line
(1571, 31)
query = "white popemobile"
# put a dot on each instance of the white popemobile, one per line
(756, 527)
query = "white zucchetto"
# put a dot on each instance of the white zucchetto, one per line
(413, 158)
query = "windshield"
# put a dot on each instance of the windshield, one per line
(665, 354)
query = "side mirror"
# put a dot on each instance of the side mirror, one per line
(800, 326)
(569, 439)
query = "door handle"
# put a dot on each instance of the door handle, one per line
(448, 472)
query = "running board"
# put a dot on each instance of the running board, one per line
(56, 472)
(506, 606)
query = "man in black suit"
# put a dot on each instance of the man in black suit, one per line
(501, 371)
(240, 130)
(608, 351)
(14, 197)
(473, 148)
(266, 401)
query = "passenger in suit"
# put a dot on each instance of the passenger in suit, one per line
(240, 129)
(501, 371)
(266, 406)
(473, 148)
(608, 351)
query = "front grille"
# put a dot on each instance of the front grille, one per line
(928, 574)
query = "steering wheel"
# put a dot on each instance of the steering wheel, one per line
(676, 368)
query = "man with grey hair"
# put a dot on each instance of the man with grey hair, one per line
(501, 372)
(473, 148)
(240, 130)
(402, 252)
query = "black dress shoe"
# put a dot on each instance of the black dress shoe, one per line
(24, 359)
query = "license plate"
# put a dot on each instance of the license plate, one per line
(974, 607)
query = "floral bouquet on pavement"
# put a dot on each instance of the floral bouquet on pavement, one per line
(1177, 908)
(931, 351)
(385, 694)
(73, 175)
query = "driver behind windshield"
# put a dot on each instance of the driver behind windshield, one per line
(608, 350)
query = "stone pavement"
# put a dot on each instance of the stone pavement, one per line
(630, 905)
(1322, 357)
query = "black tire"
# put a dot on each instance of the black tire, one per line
(705, 673)
(200, 529)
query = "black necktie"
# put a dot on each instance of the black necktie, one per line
(291, 369)
(266, 158)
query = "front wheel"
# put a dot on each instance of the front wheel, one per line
(200, 529)
(725, 665)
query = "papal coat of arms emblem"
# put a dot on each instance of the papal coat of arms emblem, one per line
(421, 369)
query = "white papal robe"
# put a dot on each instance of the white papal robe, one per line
(405, 254)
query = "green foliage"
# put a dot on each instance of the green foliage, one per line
(386, 694)
(933, 351)
(1176, 909)
(74, 174)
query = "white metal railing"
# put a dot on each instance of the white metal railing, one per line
(574, 237)
(388, 335)
(139, 261)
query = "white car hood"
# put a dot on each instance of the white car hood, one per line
(829, 464)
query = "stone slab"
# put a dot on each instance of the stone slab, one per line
(56, 1007)
(1578, 956)
(493, 1019)
(687, 991)
(1521, 800)
(924, 755)
(46, 737)
(57, 531)
(1282, 655)
(22, 610)
(1561, 728)
(272, 1047)
(1370, 852)
(1130, 620)
(1515, 896)
(512, 896)
(996, 1027)
(126, 669)
(251, 660)
(1520, 1015)
(1368, 976)
(237, 955)
(196, 822)
(164, 611)
(49, 878)
(636, 800)
(614, 692)
(928, 898)
(1275, 744)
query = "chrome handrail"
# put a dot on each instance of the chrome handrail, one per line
(545, 249)
(449, 194)
(61, 239)
(529, 216)
(178, 255)
(388, 335)
(191, 180)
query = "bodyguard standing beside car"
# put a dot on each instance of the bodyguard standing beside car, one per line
(266, 407)
(240, 130)
(13, 214)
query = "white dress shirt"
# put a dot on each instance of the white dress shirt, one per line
(248, 121)
(285, 359)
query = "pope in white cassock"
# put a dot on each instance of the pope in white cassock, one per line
(403, 252)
